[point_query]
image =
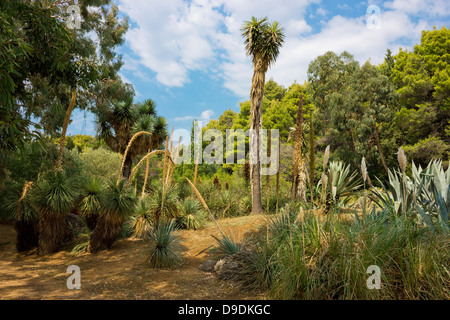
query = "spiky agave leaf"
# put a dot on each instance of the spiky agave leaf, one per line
(163, 246)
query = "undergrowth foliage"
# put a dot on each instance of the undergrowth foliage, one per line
(315, 258)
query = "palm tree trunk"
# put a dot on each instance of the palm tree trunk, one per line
(269, 153)
(128, 164)
(256, 99)
(51, 232)
(105, 234)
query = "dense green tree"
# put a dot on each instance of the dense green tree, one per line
(355, 103)
(422, 80)
(45, 60)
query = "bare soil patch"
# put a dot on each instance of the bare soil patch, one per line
(121, 273)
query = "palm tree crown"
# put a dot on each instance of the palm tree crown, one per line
(263, 40)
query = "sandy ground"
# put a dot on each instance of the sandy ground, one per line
(121, 273)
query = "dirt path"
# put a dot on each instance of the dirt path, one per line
(120, 273)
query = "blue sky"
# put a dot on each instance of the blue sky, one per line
(189, 58)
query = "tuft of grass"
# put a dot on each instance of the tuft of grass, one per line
(163, 246)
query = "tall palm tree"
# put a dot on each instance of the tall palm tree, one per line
(263, 41)
(119, 123)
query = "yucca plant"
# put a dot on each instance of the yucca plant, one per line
(142, 219)
(227, 245)
(117, 203)
(54, 198)
(191, 214)
(90, 204)
(163, 202)
(163, 246)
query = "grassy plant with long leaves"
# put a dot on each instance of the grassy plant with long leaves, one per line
(163, 246)
(191, 214)
(90, 204)
(53, 197)
(227, 245)
(163, 202)
(142, 218)
(117, 204)
(314, 259)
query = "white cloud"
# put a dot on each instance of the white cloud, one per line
(173, 38)
(205, 116)
(432, 7)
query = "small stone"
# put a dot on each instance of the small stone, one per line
(208, 266)
(218, 266)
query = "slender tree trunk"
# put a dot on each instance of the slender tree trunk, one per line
(127, 167)
(312, 157)
(278, 175)
(377, 135)
(299, 181)
(62, 139)
(269, 153)
(147, 169)
(256, 99)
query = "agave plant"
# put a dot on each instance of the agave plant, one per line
(338, 183)
(117, 203)
(433, 192)
(90, 204)
(427, 192)
(142, 219)
(53, 197)
(394, 196)
(163, 246)
(192, 215)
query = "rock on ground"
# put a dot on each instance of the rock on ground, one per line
(208, 266)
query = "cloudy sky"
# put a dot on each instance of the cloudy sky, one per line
(189, 56)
